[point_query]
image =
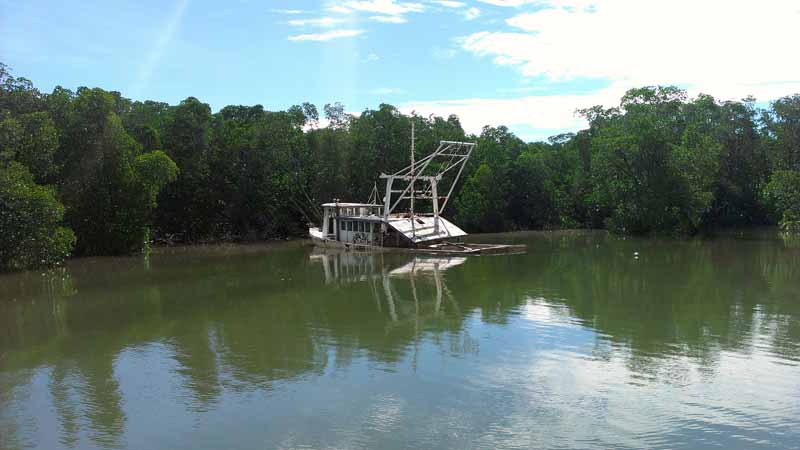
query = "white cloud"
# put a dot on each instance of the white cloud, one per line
(385, 7)
(509, 3)
(327, 36)
(389, 19)
(322, 22)
(339, 9)
(678, 41)
(472, 13)
(385, 11)
(727, 49)
(450, 3)
(710, 46)
(537, 111)
(468, 13)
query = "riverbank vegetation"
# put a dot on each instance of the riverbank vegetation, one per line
(90, 172)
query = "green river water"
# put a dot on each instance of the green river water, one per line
(586, 341)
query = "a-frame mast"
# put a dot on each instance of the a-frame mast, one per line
(450, 156)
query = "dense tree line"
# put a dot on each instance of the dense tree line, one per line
(91, 172)
(657, 163)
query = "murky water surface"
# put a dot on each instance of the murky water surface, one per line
(578, 343)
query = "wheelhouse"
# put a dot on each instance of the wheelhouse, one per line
(352, 223)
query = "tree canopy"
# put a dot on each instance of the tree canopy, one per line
(90, 172)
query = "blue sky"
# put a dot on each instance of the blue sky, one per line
(527, 64)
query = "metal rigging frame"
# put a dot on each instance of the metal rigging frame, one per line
(449, 156)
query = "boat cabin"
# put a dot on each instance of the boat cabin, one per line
(352, 223)
(363, 224)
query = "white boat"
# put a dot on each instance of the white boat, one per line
(409, 215)
(416, 187)
(353, 225)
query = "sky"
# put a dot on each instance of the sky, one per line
(526, 64)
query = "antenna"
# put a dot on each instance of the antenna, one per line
(373, 197)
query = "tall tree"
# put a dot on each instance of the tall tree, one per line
(189, 203)
(783, 126)
(106, 189)
(31, 220)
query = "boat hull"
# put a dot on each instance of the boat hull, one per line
(319, 240)
(445, 248)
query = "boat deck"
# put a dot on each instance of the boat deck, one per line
(448, 248)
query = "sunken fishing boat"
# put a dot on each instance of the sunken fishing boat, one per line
(407, 216)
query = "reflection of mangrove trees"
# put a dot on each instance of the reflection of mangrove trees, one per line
(245, 321)
(689, 296)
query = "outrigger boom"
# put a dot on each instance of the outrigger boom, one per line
(373, 225)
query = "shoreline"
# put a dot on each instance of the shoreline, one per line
(223, 247)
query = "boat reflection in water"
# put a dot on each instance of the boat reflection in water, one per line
(382, 275)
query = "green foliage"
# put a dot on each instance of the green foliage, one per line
(790, 222)
(631, 162)
(695, 163)
(38, 145)
(474, 209)
(154, 170)
(782, 124)
(30, 217)
(783, 196)
(17, 94)
(743, 166)
(10, 138)
(108, 187)
(190, 201)
(657, 163)
(660, 164)
(538, 189)
(31, 139)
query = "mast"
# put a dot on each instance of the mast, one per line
(413, 227)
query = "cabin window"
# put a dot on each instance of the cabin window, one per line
(341, 225)
(360, 227)
(349, 226)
